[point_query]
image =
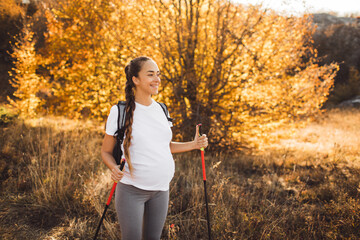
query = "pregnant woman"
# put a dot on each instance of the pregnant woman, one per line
(142, 194)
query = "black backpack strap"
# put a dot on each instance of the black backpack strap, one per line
(122, 106)
(165, 109)
(119, 134)
(121, 120)
(118, 126)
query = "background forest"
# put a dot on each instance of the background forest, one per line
(266, 87)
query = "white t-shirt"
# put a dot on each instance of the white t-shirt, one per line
(153, 163)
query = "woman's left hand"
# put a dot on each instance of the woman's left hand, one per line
(200, 141)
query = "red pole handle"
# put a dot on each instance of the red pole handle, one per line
(115, 183)
(202, 157)
(203, 164)
(111, 193)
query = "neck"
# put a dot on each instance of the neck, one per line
(143, 99)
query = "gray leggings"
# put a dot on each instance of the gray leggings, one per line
(141, 213)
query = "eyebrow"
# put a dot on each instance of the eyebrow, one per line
(152, 71)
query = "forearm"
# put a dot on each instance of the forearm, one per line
(178, 147)
(108, 159)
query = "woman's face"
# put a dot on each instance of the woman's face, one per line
(148, 80)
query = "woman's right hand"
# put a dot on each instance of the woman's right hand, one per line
(116, 174)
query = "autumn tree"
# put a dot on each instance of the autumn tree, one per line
(12, 15)
(239, 70)
(82, 57)
(88, 45)
(25, 80)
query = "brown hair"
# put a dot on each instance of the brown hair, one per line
(132, 69)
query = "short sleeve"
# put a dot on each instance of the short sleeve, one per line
(111, 123)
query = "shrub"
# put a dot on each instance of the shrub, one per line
(6, 116)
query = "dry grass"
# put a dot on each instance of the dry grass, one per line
(334, 136)
(304, 186)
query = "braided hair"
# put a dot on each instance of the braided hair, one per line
(132, 69)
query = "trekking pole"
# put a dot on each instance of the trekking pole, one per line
(109, 200)
(204, 178)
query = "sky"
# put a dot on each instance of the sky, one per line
(342, 7)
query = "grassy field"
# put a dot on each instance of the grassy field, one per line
(302, 185)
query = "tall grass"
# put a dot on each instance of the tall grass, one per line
(54, 185)
(45, 163)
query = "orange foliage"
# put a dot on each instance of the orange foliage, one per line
(27, 83)
(10, 9)
(240, 71)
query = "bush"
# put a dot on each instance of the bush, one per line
(345, 91)
(6, 116)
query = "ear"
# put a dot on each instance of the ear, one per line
(135, 80)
